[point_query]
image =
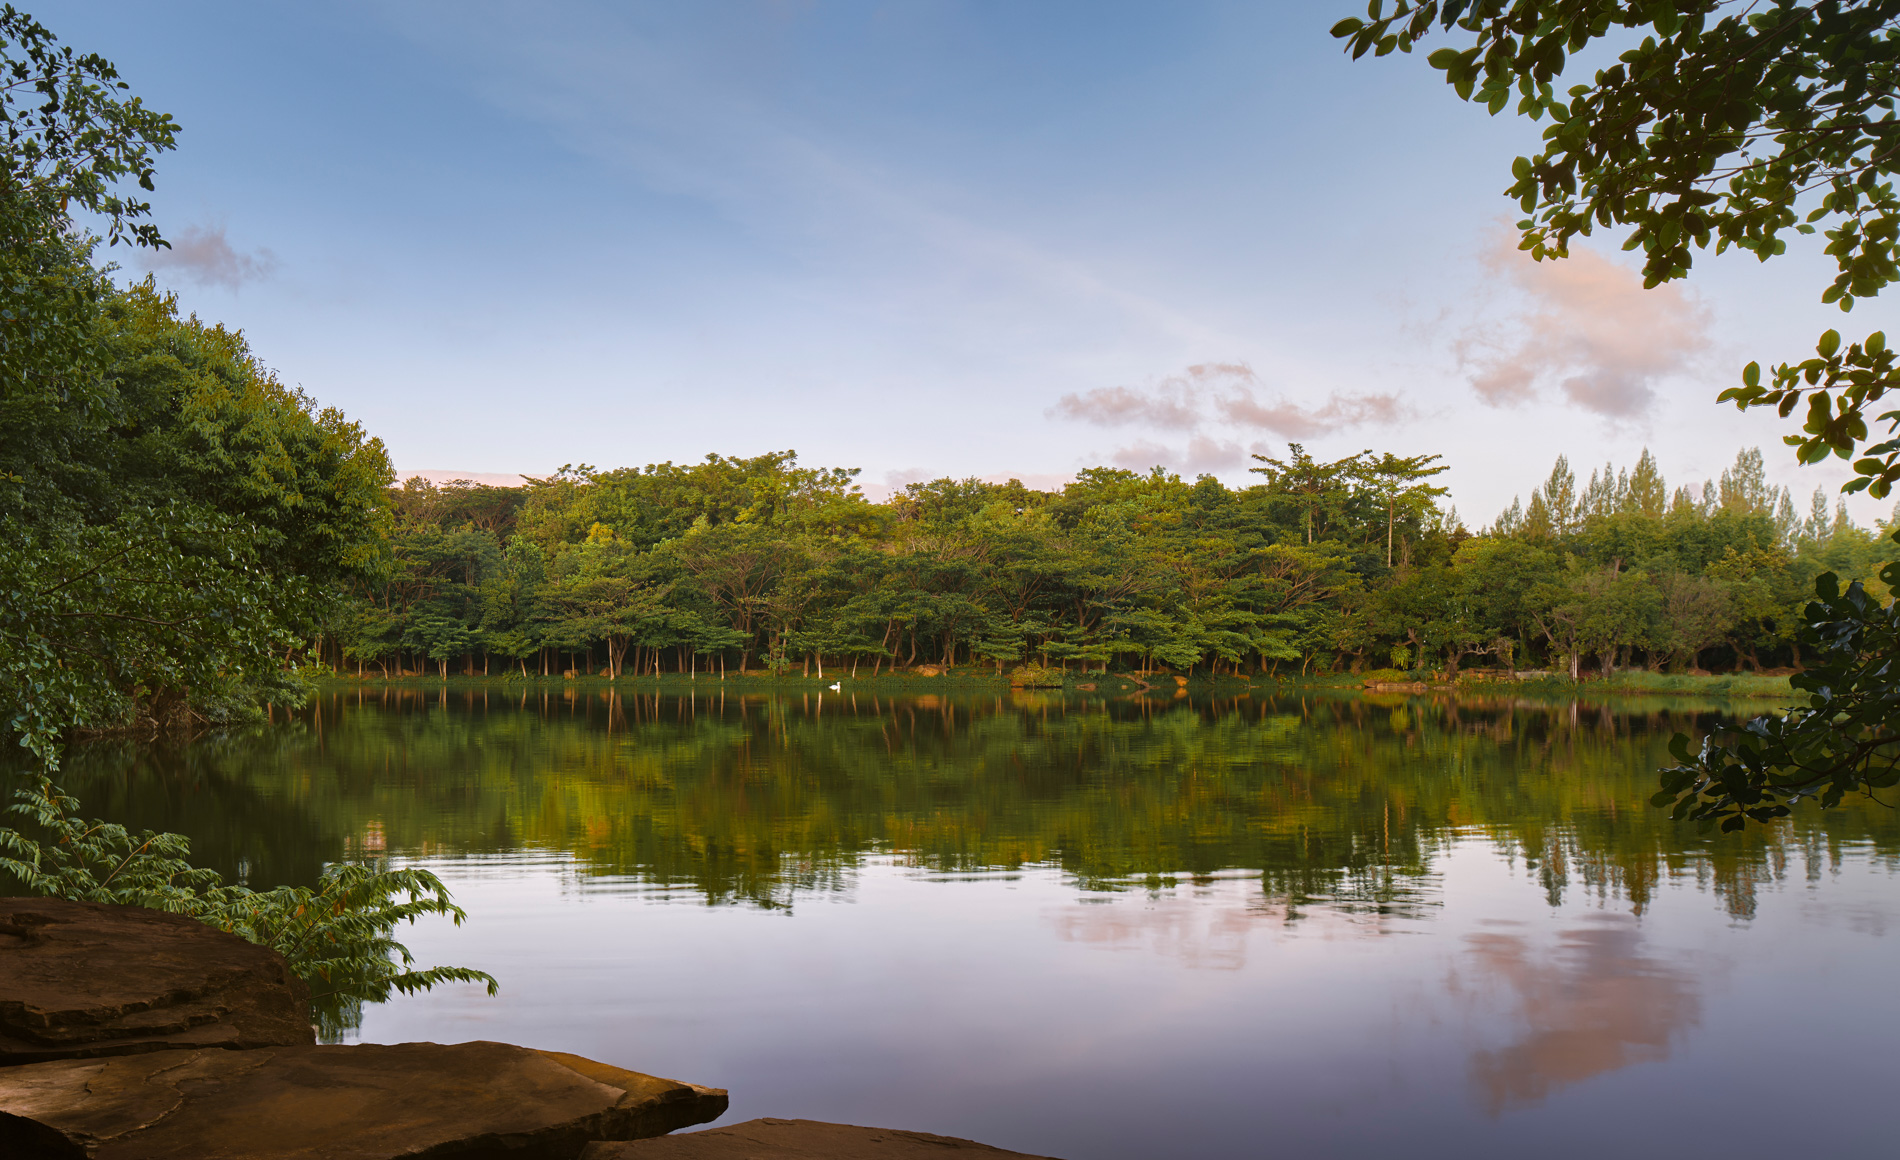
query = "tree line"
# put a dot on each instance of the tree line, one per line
(763, 565)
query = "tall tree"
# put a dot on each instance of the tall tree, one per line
(1648, 492)
(1398, 483)
(1315, 489)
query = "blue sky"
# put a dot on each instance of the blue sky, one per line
(923, 238)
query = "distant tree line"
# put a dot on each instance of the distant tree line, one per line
(762, 564)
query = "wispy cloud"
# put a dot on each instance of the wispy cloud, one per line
(649, 101)
(1210, 403)
(204, 255)
(1591, 330)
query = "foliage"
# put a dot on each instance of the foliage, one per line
(1727, 124)
(1842, 741)
(1321, 567)
(174, 524)
(68, 139)
(140, 619)
(337, 937)
(172, 518)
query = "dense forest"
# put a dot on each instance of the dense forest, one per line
(761, 564)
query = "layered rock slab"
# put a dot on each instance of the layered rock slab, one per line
(83, 979)
(799, 1140)
(466, 1101)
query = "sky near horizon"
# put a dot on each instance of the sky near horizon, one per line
(921, 238)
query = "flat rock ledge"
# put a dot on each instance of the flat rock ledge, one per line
(83, 979)
(422, 1101)
(797, 1140)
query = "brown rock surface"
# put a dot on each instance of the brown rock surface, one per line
(361, 1102)
(83, 979)
(797, 1140)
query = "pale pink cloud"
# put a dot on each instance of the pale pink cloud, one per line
(1215, 405)
(1590, 329)
(896, 481)
(440, 476)
(204, 255)
(1141, 455)
(1225, 395)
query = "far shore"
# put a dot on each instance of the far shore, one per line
(1479, 682)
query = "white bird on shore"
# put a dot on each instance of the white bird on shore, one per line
(837, 687)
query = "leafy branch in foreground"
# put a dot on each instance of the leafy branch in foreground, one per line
(68, 139)
(337, 937)
(1844, 740)
(1727, 124)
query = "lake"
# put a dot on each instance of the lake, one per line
(1101, 926)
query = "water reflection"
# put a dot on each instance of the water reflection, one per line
(997, 916)
(1338, 802)
(1594, 1003)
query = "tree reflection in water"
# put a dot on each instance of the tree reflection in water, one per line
(1337, 801)
(1261, 898)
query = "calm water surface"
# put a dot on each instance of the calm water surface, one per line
(1097, 928)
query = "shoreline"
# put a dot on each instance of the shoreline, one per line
(1727, 686)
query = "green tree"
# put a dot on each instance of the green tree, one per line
(1842, 741)
(174, 523)
(1397, 483)
(1317, 491)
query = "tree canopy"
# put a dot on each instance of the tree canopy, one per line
(174, 524)
(1320, 567)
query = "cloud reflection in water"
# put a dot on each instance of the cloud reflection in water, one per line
(1594, 1004)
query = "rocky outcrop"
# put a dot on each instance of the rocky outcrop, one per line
(362, 1102)
(82, 979)
(797, 1140)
